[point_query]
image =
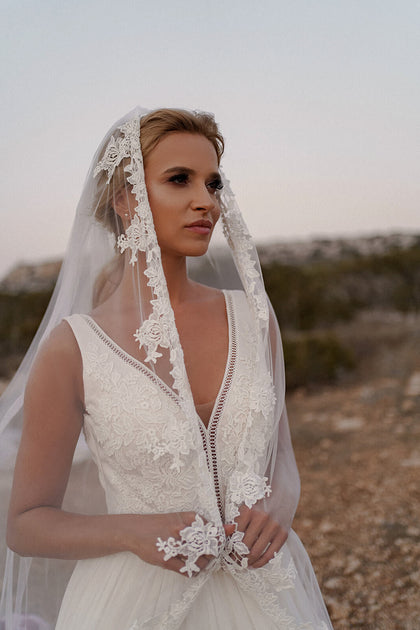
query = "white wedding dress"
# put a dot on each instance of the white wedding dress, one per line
(135, 429)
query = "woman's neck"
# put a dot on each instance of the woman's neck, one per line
(175, 270)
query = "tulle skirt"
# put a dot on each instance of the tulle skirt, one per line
(121, 592)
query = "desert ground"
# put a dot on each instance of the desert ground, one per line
(358, 452)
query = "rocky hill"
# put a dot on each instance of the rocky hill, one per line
(321, 249)
(42, 276)
(31, 278)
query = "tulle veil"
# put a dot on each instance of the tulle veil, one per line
(266, 471)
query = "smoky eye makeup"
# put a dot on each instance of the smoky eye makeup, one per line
(216, 183)
(179, 178)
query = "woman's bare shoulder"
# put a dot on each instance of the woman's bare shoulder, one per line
(60, 342)
(58, 361)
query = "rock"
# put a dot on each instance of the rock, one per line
(338, 609)
(413, 531)
(348, 424)
(334, 583)
(307, 523)
(413, 461)
(407, 405)
(415, 577)
(326, 526)
(413, 385)
(326, 443)
(353, 564)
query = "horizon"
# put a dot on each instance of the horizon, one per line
(267, 242)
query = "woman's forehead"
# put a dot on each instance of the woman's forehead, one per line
(191, 150)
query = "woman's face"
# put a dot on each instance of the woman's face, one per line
(182, 180)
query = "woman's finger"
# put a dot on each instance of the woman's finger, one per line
(243, 519)
(265, 538)
(203, 561)
(275, 546)
(230, 528)
(175, 564)
(254, 528)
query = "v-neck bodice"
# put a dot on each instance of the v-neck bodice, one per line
(148, 451)
(209, 408)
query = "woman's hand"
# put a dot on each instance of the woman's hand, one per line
(262, 535)
(142, 531)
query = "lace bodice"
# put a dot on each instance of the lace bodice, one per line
(139, 435)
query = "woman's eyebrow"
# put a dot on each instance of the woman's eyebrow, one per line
(174, 169)
(190, 171)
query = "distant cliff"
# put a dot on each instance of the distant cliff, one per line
(26, 278)
(322, 249)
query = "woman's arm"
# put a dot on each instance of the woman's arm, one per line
(53, 417)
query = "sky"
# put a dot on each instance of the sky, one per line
(319, 102)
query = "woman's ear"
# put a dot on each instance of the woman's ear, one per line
(124, 204)
(121, 203)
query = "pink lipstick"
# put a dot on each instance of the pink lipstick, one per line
(200, 227)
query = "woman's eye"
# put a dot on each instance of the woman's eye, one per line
(216, 184)
(180, 178)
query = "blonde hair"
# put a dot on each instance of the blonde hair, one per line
(153, 127)
(159, 123)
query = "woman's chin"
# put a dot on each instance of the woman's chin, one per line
(199, 248)
(197, 252)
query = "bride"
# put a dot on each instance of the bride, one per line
(161, 347)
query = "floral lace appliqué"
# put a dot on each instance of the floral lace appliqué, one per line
(196, 540)
(134, 238)
(235, 550)
(248, 488)
(116, 150)
(244, 253)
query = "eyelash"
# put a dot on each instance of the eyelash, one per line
(182, 178)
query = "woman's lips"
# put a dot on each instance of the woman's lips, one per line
(200, 227)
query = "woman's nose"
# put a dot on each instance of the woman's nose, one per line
(203, 200)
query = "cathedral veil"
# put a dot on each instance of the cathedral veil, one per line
(102, 247)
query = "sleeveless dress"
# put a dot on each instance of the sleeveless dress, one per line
(133, 421)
